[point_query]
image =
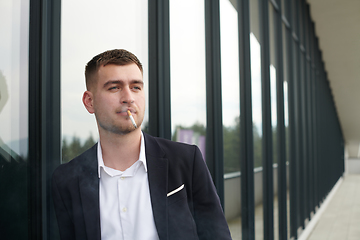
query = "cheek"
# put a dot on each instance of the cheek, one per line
(142, 101)
(101, 104)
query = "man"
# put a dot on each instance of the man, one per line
(131, 185)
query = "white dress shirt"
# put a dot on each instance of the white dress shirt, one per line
(125, 206)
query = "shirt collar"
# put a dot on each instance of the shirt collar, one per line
(142, 156)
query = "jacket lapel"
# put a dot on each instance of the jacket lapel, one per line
(89, 192)
(158, 184)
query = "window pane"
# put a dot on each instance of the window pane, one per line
(230, 85)
(256, 98)
(255, 54)
(14, 31)
(231, 114)
(188, 76)
(81, 39)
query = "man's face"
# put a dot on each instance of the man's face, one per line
(118, 89)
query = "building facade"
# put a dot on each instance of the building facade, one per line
(244, 80)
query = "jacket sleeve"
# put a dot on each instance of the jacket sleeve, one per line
(208, 214)
(65, 223)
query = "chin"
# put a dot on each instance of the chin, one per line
(120, 130)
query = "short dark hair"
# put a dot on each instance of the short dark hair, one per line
(117, 56)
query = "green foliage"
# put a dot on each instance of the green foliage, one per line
(232, 143)
(75, 148)
(257, 139)
(197, 128)
(231, 138)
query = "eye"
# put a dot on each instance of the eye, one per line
(136, 88)
(113, 88)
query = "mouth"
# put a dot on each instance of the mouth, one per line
(125, 111)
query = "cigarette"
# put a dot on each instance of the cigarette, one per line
(131, 118)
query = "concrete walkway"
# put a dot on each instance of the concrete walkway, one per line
(340, 219)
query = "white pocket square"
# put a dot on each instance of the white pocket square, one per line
(176, 190)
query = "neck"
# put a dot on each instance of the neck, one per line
(120, 151)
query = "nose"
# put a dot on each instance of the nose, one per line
(127, 96)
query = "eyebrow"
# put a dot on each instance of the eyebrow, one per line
(121, 82)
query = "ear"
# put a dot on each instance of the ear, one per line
(88, 101)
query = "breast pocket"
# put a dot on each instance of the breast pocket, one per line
(176, 195)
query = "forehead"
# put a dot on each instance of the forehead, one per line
(128, 72)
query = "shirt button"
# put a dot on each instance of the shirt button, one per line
(124, 209)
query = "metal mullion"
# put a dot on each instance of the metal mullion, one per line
(311, 111)
(159, 69)
(315, 142)
(304, 213)
(51, 108)
(311, 139)
(319, 131)
(214, 133)
(281, 142)
(301, 136)
(332, 115)
(307, 142)
(246, 134)
(321, 134)
(311, 144)
(323, 138)
(319, 126)
(316, 133)
(300, 147)
(310, 31)
(267, 148)
(44, 117)
(328, 126)
(292, 126)
(307, 99)
(35, 143)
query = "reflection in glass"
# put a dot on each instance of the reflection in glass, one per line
(273, 108)
(255, 54)
(14, 24)
(230, 86)
(187, 67)
(114, 25)
(231, 114)
(256, 98)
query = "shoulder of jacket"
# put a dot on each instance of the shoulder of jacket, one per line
(76, 165)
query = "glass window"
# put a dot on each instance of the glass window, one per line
(230, 85)
(255, 55)
(230, 80)
(188, 75)
(14, 31)
(114, 25)
(257, 131)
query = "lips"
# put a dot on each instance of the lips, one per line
(123, 111)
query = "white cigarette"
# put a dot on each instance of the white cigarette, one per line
(131, 118)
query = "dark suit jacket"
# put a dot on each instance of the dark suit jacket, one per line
(192, 213)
